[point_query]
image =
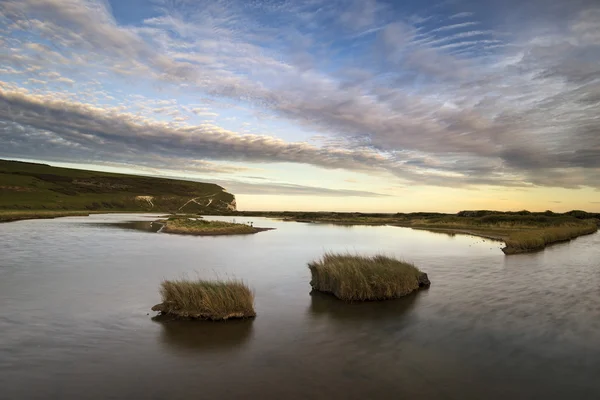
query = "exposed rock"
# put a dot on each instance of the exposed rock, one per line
(423, 280)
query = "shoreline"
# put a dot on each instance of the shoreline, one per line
(6, 217)
(496, 238)
(14, 215)
(511, 250)
(507, 250)
(540, 235)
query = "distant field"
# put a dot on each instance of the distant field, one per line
(28, 186)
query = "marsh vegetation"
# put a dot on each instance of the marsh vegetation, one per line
(201, 227)
(522, 231)
(536, 239)
(359, 278)
(203, 299)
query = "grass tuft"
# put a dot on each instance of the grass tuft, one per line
(215, 300)
(358, 278)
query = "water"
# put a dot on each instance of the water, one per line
(75, 295)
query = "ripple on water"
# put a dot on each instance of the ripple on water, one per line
(76, 292)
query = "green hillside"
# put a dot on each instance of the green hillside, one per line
(28, 186)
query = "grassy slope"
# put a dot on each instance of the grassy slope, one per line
(27, 186)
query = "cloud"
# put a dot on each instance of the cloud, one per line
(440, 105)
(461, 15)
(36, 81)
(52, 127)
(282, 189)
(204, 112)
(454, 26)
(359, 15)
(67, 81)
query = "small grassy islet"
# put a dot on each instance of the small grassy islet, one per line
(360, 278)
(187, 226)
(203, 299)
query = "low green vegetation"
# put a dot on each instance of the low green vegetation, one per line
(358, 278)
(17, 215)
(29, 186)
(202, 227)
(214, 300)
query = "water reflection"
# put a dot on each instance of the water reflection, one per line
(145, 226)
(327, 305)
(450, 234)
(188, 336)
(75, 297)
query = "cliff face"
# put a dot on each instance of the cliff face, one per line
(40, 186)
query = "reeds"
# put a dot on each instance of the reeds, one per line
(359, 278)
(525, 241)
(215, 300)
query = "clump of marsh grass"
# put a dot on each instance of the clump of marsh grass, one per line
(359, 278)
(215, 300)
(524, 241)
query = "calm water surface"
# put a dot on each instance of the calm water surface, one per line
(75, 295)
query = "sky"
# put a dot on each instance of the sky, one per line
(323, 105)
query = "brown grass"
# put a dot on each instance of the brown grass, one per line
(215, 300)
(520, 233)
(357, 278)
(525, 241)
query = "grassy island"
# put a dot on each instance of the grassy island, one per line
(357, 278)
(201, 227)
(201, 299)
